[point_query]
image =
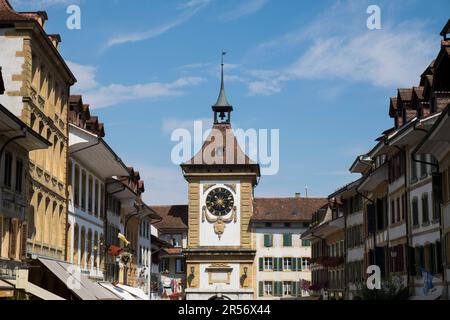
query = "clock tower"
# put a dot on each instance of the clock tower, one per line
(221, 250)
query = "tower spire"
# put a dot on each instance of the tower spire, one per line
(222, 100)
(222, 108)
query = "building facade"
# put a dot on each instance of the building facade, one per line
(38, 83)
(283, 258)
(17, 140)
(403, 190)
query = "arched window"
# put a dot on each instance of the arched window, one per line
(47, 219)
(96, 246)
(38, 216)
(83, 190)
(96, 198)
(415, 212)
(90, 194)
(76, 190)
(54, 229)
(425, 209)
(89, 248)
(83, 247)
(76, 244)
(102, 251)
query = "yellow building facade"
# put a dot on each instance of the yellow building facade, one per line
(38, 85)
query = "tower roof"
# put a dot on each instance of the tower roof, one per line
(222, 101)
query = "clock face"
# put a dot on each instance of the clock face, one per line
(220, 202)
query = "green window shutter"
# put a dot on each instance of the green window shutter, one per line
(278, 286)
(287, 240)
(275, 264)
(294, 288)
(280, 264)
(299, 264)
(261, 289)
(261, 264)
(294, 264)
(268, 240)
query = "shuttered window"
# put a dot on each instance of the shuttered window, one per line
(287, 240)
(7, 175)
(19, 175)
(425, 210)
(261, 264)
(306, 243)
(13, 238)
(269, 264)
(268, 240)
(415, 212)
(288, 264)
(261, 288)
(268, 289)
(278, 286)
(23, 241)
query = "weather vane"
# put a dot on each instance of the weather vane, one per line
(223, 54)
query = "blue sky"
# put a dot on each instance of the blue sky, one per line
(311, 69)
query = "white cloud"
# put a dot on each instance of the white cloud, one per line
(246, 8)
(164, 185)
(339, 47)
(85, 75)
(102, 96)
(193, 7)
(193, 3)
(113, 94)
(42, 3)
(169, 125)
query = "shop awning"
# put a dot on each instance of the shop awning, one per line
(138, 293)
(123, 294)
(36, 291)
(82, 286)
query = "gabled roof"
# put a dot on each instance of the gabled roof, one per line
(285, 209)
(446, 30)
(172, 217)
(9, 16)
(222, 156)
(393, 107)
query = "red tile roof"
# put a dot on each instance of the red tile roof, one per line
(173, 217)
(231, 155)
(7, 13)
(286, 209)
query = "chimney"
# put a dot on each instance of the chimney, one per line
(55, 39)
